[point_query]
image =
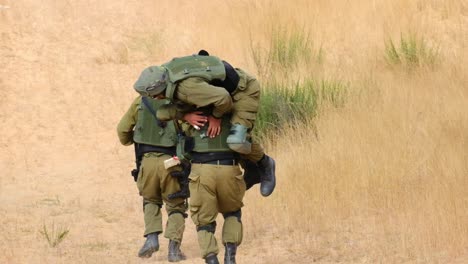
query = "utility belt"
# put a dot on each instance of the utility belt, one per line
(144, 148)
(215, 158)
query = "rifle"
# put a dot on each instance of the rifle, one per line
(182, 178)
(184, 145)
(135, 171)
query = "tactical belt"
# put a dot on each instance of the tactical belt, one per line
(220, 162)
(143, 148)
(227, 158)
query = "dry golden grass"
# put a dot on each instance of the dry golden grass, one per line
(385, 181)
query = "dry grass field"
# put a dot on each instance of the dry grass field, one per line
(381, 178)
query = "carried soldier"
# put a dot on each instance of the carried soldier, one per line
(197, 81)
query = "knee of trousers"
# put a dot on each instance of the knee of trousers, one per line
(149, 205)
(176, 212)
(152, 218)
(232, 230)
(237, 214)
(207, 241)
(211, 227)
(175, 226)
(147, 201)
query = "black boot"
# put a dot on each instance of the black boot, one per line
(175, 254)
(230, 253)
(151, 245)
(268, 178)
(211, 259)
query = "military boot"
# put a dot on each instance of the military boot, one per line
(267, 178)
(237, 139)
(211, 259)
(151, 245)
(175, 254)
(230, 253)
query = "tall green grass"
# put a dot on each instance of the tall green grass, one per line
(283, 105)
(286, 49)
(410, 52)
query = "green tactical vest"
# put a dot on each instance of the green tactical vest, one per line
(203, 143)
(147, 130)
(207, 67)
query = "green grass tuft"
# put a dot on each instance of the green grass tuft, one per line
(282, 105)
(287, 50)
(412, 52)
(54, 235)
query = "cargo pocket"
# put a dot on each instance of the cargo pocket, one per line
(141, 180)
(238, 95)
(195, 201)
(240, 184)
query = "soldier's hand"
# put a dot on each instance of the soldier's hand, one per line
(196, 119)
(214, 126)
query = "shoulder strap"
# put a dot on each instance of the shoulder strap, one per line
(147, 104)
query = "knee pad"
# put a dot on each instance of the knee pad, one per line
(146, 202)
(237, 214)
(178, 212)
(211, 227)
(237, 139)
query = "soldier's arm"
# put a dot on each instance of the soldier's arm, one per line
(127, 123)
(190, 114)
(198, 92)
(169, 112)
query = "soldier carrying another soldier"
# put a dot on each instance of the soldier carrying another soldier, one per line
(196, 81)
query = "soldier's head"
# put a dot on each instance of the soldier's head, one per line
(152, 82)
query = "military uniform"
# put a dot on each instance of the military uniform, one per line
(243, 103)
(206, 81)
(216, 186)
(154, 182)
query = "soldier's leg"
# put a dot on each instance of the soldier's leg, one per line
(149, 188)
(232, 235)
(176, 211)
(176, 208)
(231, 190)
(256, 154)
(259, 168)
(245, 107)
(244, 114)
(203, 207)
